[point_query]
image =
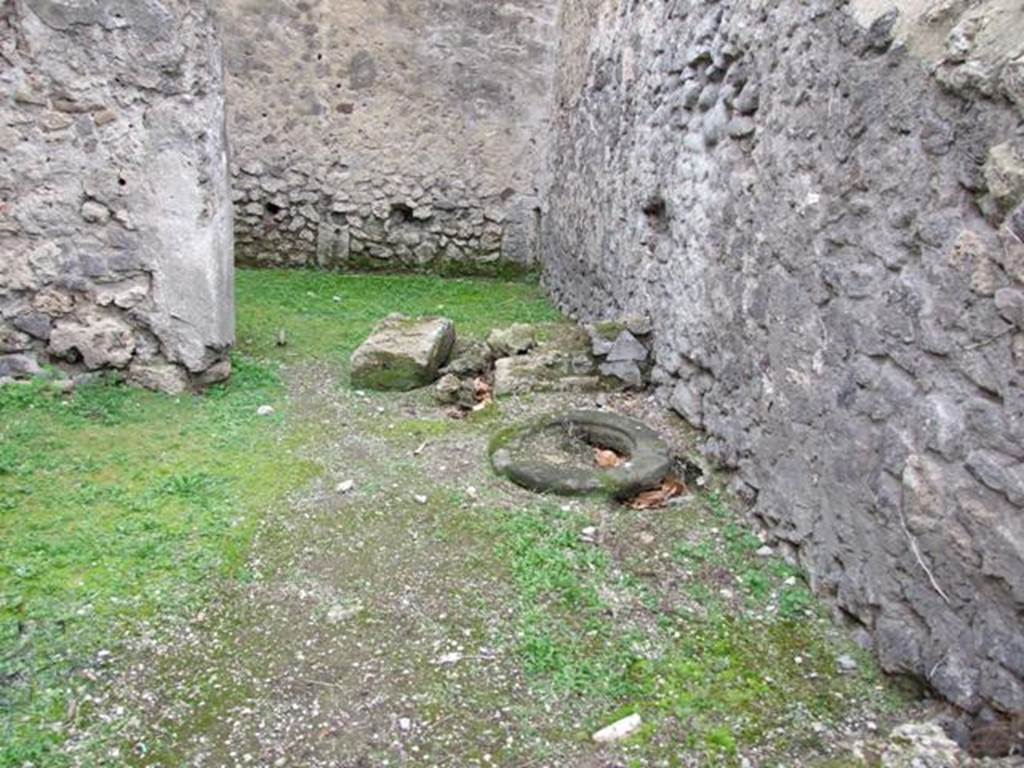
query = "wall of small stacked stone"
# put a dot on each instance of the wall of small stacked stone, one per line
(392, 136)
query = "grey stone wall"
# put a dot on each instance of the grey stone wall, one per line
(115, 216)
(389, 135)
(819, 205)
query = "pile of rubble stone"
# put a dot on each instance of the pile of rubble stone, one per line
(408, 353)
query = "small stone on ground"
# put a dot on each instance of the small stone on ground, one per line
(403, 353)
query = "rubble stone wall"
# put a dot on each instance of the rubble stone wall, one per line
(115, 215)
(407, 134)
(819, 205)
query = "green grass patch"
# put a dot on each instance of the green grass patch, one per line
(326, 316)
(754, 669)
(564, 641)
(119, 506)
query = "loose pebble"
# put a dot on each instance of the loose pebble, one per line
(847, 663)
(619, 730)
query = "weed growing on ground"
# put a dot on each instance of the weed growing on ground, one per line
(740, 657)
(326, 316)
(120, 507)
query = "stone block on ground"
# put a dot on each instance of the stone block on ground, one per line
(686, 401)
(618, 731)
(638, 325)
(451, 390)
(562, 362)
(603, 336)
(403, 353)
(215, 374)
(14, 341)
(447, 389)
(626, 371)
(545, 372)
(624, 356)
(517, 339)
(469, 358)
(627, 348)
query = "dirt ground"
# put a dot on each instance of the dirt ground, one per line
(404, 609)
